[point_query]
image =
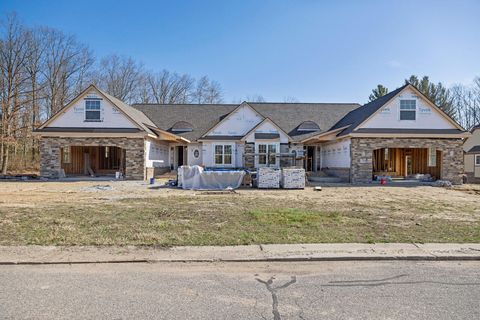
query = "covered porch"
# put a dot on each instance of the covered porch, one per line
(93, 160)
(407, 162)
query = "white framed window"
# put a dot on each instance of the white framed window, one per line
(223, 154)
(92, 110)
(432, 157)
(477, 160)
(387, 156)
(66, 155)
(267, 154)
(408, 109)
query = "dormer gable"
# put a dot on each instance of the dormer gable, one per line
(237, 123)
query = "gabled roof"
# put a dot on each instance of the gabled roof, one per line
(288, 116)
(137, 117)
(356, 117)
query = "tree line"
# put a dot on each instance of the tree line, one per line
(461, 102)
(42, 69)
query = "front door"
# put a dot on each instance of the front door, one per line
(180, 156)
(408, 165)
(309, 158)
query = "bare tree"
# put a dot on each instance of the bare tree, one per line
(120, 77)
(42, 69)
(33, 67)
(13, 82)
(170, 88)
(207, 91)
(66, 61)
(466, 101)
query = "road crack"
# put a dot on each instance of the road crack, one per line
(274, 290)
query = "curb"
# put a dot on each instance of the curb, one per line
(287, 259)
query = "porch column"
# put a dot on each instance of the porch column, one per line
(361, 154)
(50, 158)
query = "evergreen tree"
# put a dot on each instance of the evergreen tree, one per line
(378, 92)
(437, 93)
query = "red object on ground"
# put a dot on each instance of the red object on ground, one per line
(383, 181)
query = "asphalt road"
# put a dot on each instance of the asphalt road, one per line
(313, 290)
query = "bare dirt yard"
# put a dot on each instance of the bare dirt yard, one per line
(134, 213)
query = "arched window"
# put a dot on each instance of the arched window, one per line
(182, 126)
(308, 126)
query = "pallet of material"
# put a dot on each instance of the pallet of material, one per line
(268, 178)
(293, 178)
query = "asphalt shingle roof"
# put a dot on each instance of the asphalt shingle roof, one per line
(474, 149)
(354, 118)
(287, 116)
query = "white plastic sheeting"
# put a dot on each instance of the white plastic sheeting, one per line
(196, 178)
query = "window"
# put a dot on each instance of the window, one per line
(408, 109)
(432, 157)
(262, 154)
(267, 150)
(477, 160)
(66, 155)
(272, 149)
(92, 110)
(223, 154)
(107, 151)
(387, 157)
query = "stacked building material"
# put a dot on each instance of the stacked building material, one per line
(293, 178)
(268, 178)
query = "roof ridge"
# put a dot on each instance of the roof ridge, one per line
(234, 104)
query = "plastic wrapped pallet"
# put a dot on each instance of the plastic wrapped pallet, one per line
(196, 178)
(268, 178)
(293, 178)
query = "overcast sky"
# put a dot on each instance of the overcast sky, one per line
(316, 51)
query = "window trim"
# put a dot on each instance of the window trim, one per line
(99, 110)
(223, 154)
(267, 161)
(477, 156)
(407, 110)
(431, 151)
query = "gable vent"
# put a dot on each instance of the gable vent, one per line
(182, 126)
(308, 126)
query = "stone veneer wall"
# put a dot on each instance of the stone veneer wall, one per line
(50, 164)
(362, 152)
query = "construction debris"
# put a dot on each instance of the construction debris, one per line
(442, 184)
